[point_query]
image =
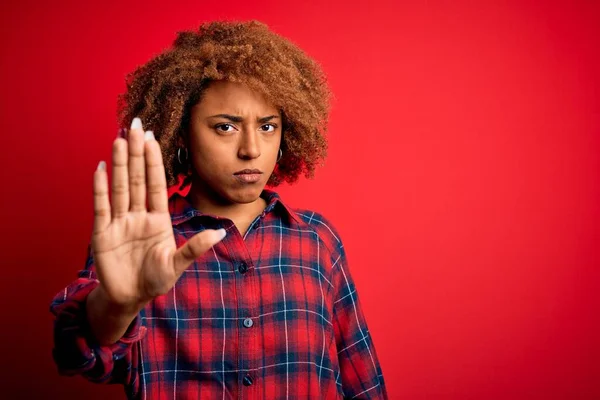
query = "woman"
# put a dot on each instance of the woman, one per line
(223, 292)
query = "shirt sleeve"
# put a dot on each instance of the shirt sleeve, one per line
(76, 352)
(360, 372)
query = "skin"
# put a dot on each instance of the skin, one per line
(232, 128)
(135, 253)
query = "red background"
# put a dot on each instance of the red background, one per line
(463, 177)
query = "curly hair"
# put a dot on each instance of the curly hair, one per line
(163, 91)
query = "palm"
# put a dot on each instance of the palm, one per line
(131, 256)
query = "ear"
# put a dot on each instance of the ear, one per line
(181, 141)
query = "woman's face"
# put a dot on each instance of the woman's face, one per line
(234, 141)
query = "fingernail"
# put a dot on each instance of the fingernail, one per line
(101, 166)
(136, 123)
(122, 133)
(149, 135)
(221, 233)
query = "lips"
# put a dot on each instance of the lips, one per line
(248, 172)
(247, 176)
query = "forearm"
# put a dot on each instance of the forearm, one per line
(108, 321)
(76, 349)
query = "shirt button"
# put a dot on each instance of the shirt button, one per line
(247, 380)
(242, 267)
(248, 322)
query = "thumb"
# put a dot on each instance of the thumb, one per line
(195, 247)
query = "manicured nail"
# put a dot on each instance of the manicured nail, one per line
(122, 133)
(221, 233)
(149, 135)
(136, 123)
(101, 166)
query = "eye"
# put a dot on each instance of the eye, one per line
(269, 127)
(226, 128)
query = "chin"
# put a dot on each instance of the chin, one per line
(245, 194)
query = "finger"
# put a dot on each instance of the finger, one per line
(120, 181)
(137, 167)
(101, 202)
(195, 247)
(155, 175)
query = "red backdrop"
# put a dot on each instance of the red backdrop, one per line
(463, 176)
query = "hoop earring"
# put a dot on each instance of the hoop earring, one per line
(280, 155)
(179, 156)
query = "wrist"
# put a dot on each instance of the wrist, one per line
(109, 320)
(113, 309)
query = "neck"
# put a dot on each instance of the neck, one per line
(207, 201)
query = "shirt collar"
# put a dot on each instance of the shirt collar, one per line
(181, 210)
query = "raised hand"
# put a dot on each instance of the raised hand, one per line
(134, 249)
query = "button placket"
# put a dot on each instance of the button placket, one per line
(247, 306)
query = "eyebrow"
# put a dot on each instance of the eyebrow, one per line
(236, 118)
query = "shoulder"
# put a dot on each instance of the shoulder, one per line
(321, 226)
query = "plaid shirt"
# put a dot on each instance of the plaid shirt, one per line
(271, 315)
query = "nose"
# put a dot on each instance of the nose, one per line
(249, 147)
